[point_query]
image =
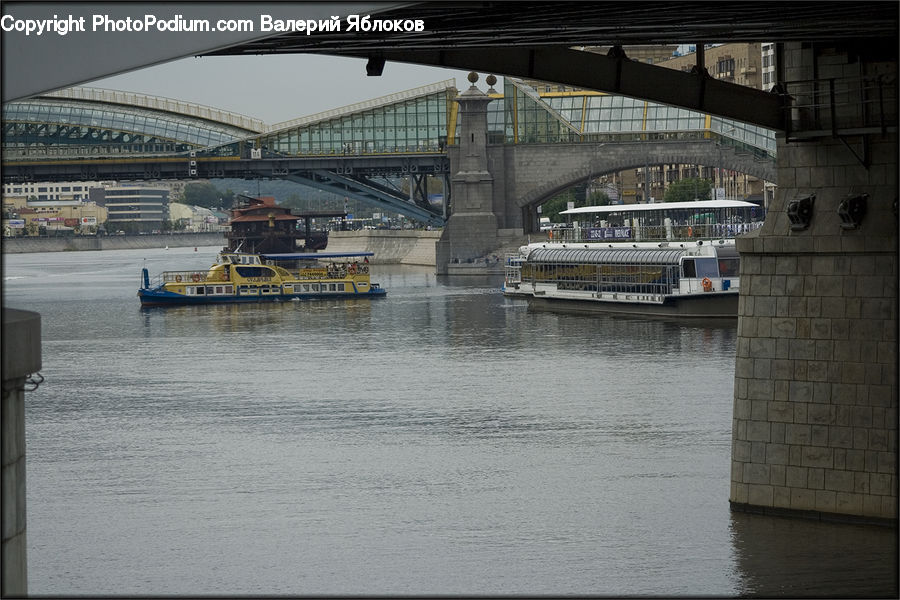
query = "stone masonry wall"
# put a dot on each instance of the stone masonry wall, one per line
(815, 395)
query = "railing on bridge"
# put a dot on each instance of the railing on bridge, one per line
(846, 106)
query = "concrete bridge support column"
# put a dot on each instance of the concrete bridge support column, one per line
(471, 230)
(21, 358)
(815, 394)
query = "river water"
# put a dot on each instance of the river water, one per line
(441, 440)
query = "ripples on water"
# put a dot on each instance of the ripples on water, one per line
(443, 440)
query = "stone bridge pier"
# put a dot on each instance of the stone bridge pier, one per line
(815, 392)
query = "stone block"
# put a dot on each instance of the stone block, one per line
(755, 474)
(777, 475)
(763, 306)
(833, 307)
(848, 503)
(782, 369)
(758, 431)
(777, 432)
(760, 389)
(803, 499)
(817, 370)
(760, 495)
(802, 349)
(797, 306)
(815, 479)
(824, 350)
(780, 412)
(861, 482)
(855, 460)
(821, 392)
(861, 438)
(801, 391)
(762, 368)
(801, 412)
(840, 437)
(843, 393)
(878, 439)
(889, 507)
(819, 435)
(793, 285)
(861, 416)
(759, 410)
(740, 451)
(796, 477)
(840, 458)
(826, 500)
(777, 454)
(815, 456)
(763, 327)
(839, 481)
(880, 395)
(880, 483)
(853, 372)
(739, 492)
(797, 434)
(784, 327)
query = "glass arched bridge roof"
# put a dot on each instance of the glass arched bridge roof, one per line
(420, 120)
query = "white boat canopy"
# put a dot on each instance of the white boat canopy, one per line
(661, 206)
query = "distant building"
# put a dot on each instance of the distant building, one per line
(49, 191)
(196, 218)
(136, 208)
(734, 63)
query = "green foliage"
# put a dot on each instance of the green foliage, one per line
(598, 199)
(686, 190)
(206, 195)
(576, 194)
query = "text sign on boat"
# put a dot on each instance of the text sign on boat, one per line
(607, 233)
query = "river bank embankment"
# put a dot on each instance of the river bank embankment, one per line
(411, 247)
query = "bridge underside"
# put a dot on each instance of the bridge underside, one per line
(536, 39)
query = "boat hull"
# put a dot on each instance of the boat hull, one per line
(713, 305)
(162, 298)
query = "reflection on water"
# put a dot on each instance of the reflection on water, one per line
(441, 440)
(797, 558)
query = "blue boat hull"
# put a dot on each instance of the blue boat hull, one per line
(161, 298)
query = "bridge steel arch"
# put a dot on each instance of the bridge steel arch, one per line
(527, 175)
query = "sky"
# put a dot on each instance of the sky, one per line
(277, 88)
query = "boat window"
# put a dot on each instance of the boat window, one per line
(218, 289)
(729, 267)
(305, 287)
(289, 288)
(340, 287)
(331, 287)
(707, 267)
(209, 290)
(315, 287)
(200, 290)
(689, 268)
(255, 271)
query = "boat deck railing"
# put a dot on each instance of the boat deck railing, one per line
(651, 233)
